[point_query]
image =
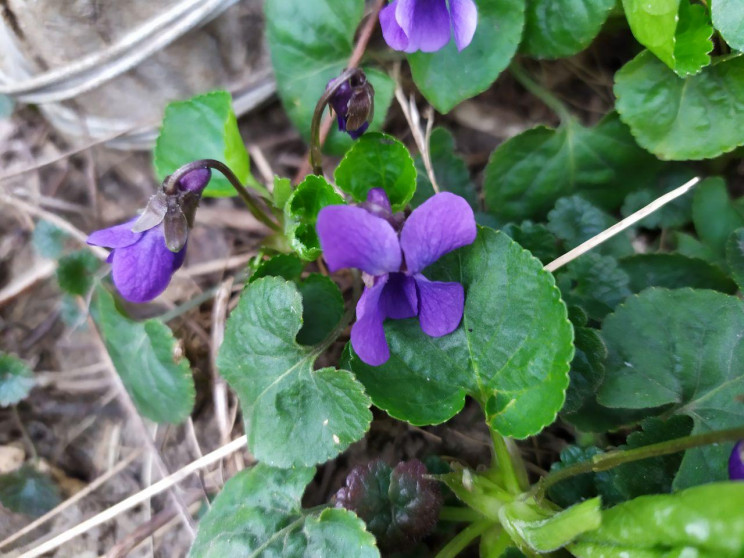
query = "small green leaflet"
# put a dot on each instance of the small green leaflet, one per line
(258, 513)
(511, 352)
(294, 415)
(727, 19)
(595, 283)
(203, 127)
(575, 220)
(301, 214)
(698, 117)
(378, 161)
(448, 77)
(48, 240)
(714, 215)
(145, 355)
(16, 380)
(677, 32)
(559, 28)
(75, 272)
(28, 491)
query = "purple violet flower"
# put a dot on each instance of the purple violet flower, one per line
(141, 262)
(365, 237)
(353, 103)
(736, 462)
(425, 25)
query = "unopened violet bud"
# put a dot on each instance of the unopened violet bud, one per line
(400, 506)
(353, 101)
(736, 462)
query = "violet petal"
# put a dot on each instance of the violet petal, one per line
(353, 237)
(441, 224)
(440, 306)
(378, 204)
(399, 299)
(736, 462)
(117, 236)
(367, 333)
(393, 33)
(356, 134)
(464, 16)
(426, 23)
(196, 180)
(143, 270)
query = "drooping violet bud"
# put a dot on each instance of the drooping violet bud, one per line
(411, 25)
(353, 101)
(736, 462)
(400, 506)
(147, 250)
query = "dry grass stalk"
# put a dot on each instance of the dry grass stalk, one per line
(619, 227)
(138, 498)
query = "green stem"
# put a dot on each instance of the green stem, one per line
(457, 514)
(609, 460)
(540, 92)
(169, 187)
(515, 475)
(464, 538)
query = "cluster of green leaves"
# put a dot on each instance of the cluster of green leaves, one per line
(649, 341)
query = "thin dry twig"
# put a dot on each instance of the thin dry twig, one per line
(607, 234)
(259, 159)
(148, 529)
(102, 479)
(410, 111)
(213, 266)
(41, 270)
(219, 392)
(139, 422)
(56, 220)
(138, 498)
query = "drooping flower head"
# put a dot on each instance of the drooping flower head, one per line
(736, 462)
(353, 103)
(367, 238)
(427, 25)
(148, 249)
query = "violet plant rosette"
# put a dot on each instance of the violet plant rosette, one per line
(427, 25)
(366, 237)
(141, 262)
(736, 462)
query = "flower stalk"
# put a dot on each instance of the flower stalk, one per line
(540, 92)
(171, 182)
(612, 459)
(510, 466)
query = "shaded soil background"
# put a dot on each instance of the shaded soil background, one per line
(75, 420)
